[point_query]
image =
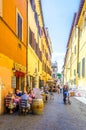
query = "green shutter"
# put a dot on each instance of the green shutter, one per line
(74, 81)
(83, 67)
(74, 72)
(79, 69)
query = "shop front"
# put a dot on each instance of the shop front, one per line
(18, 81)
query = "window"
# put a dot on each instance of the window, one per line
(32, 4)
(19, 26)
(84, 18)
(74, 72)
(74, 81)
(30, 36)
(85, 22)
(83, 67)
(75, 49)
(53, 75)
(53, 69)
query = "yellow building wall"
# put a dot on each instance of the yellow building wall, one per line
(81, 15)
(82, 54)
(82, 43)
(33, 60)
(31, 21)
(82, 49)
(73, 60)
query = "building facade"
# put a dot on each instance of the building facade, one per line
(13, 46)
(25, 51)
(54, 73)
(39, 46)
(75, 58)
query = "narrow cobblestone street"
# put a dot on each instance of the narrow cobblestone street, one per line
(56, 116)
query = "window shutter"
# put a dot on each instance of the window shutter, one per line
(19, 27)
(83, 67)
(79, 69)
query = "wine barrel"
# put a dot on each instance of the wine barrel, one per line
(72, 94)
(37, 106)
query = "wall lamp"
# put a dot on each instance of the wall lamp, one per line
(14, 70)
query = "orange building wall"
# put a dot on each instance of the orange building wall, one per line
(10, 52)
(8, 40)
(9, 13)
(9, 45)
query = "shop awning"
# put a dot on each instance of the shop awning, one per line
(19, 74)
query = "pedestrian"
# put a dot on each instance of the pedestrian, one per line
(18, 93)
(65, 92)
(61, 89)
(58, 88)
(31, 95)
(51, 93)
(46, 88)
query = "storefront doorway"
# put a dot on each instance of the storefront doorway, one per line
(20, 80)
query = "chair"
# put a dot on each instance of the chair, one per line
(9, 105)
(24, 106)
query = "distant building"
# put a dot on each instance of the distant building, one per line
(54, 70)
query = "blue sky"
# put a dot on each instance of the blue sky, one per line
(58, 17)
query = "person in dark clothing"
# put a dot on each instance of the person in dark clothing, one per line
(51, 93)
(46, 88)
(65, 93)
(65, 88)
(18, 93)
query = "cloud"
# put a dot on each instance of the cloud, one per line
(55, 54)
(58, 56)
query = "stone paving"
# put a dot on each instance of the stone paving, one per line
(56, 116)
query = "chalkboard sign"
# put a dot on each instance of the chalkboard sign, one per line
(13, 81)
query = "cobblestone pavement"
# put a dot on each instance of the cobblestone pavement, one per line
(56, 116)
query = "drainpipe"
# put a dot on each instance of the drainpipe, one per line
(0, 98)
(27, 82)
(1, 87)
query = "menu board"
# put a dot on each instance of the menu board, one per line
(13, 81)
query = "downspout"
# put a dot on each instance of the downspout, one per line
(0, 98)
(27, 82)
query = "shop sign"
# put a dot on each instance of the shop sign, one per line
(19, 67)
(13, 81)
